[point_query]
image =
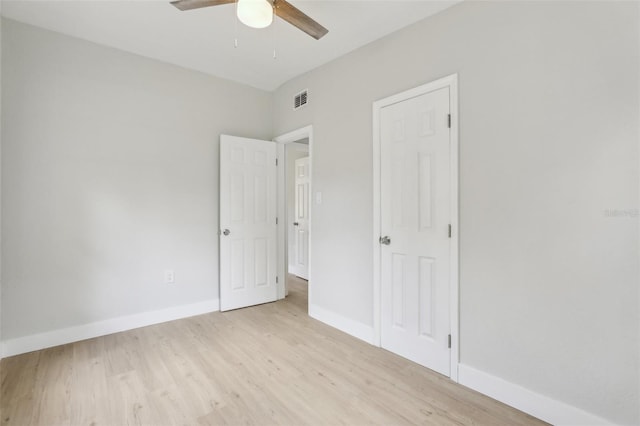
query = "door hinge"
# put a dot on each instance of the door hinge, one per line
(449, 120)
(449, 231)
(449, 341)
(276, 220)
(277, 159)
(276, 280)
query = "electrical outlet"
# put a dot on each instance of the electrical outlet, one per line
(169, 276)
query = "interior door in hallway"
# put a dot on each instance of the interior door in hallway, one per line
(415, 223)
(247, 222)
(301, 219)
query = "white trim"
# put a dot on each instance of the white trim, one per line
(283, 261)
(63, 336)
(451, 82)
(346, 325)
(535, 404)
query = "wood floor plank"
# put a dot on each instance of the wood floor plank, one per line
(88, 384)
(266, 365)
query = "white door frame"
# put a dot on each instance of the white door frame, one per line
(282, 140)
(451, 82)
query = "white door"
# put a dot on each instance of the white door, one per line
(301, 219)
(415, 219)
(247, 222)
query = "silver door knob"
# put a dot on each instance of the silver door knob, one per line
(385, 240)
(226, 232)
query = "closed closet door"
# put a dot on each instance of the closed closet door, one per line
(415, 222)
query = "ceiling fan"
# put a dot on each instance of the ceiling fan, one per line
(259, 13)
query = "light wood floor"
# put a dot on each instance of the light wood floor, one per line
(269, 364)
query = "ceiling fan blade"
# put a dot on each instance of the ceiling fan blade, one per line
(197, 4)
(295, 17)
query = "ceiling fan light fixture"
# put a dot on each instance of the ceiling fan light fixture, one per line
(255, 13)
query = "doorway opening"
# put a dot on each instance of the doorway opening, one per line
(294, 151)
(297, 223)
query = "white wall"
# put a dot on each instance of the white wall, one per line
(109, 177)
(549, 143)
(294, 151)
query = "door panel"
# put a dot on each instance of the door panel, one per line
(301, 220)
(415, 214)
(248, 215)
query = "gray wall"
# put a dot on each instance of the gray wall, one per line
(109, 177)
(549, 143)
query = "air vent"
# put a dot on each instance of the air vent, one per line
(300, 99)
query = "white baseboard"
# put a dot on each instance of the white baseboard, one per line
(101, 328)
(535, 404)
(349, 326)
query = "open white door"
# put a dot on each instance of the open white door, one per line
(300, 266)
(247, 222)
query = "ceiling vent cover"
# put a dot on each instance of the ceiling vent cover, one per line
(300, 99)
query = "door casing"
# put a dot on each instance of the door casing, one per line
(451, 82)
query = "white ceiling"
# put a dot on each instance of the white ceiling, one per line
(203, 39)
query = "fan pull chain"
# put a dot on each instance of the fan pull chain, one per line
(235, 27)
(275, 38)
